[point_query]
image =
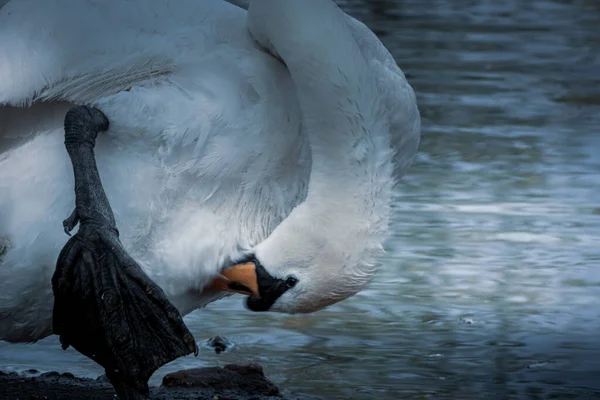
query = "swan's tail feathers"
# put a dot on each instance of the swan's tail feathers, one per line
(105, 306)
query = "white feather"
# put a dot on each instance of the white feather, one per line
(213, 147)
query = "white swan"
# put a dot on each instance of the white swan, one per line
(217, 150)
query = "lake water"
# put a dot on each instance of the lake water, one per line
(491, 288)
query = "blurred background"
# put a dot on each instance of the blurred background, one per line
(491, 287)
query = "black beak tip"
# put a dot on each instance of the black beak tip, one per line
(257, 304)
(269, 287)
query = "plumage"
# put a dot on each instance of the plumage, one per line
(278, 131)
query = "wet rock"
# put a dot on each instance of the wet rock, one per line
(32, 372)
(233, 382)
(218, 343)
(103, 378)
(231, 379)
(51, 386)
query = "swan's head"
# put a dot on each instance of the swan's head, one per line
(302, 268)
(327, 248)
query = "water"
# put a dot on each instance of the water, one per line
(491, 288)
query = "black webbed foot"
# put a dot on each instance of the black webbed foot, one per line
(105, 306)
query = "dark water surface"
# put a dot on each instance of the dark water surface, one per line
(491, 288)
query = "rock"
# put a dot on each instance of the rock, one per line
(247, 379)
(51, 386)
(233, 382)
(218, 343)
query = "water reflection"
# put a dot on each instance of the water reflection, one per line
(491, 286)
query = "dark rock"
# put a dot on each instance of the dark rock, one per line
(249, 379)
(103, 378)
(218, 343)
(52, 386)
(233, 382)
(51, 374)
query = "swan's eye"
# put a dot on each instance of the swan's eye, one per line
(290, 282)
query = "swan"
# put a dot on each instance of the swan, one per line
(257, 145)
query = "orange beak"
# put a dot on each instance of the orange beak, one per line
(240, 278)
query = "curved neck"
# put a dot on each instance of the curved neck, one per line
(337, 93)
(351, 181)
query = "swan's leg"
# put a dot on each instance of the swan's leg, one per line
(104, 304)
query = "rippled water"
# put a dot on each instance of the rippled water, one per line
(492, 284)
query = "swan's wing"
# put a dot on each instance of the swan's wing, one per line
(54, 54)
(81, 50)
(50, 50)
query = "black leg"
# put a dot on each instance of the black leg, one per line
(105, 306)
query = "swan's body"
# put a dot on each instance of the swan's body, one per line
(216, 148)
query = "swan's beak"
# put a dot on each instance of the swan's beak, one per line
(240, 278)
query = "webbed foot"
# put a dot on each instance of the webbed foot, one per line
(105, 306)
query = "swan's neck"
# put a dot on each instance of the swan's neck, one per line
(350, 184)
(350, 188)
